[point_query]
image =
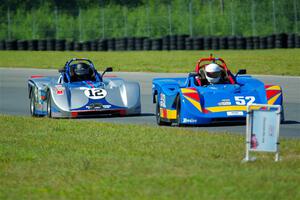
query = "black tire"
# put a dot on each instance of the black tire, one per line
(178, 108)
(111, 44)
(41, 45)
(282, 117)
(49, 111)
(86, 46)
(271, 42)
(11, 44)
(50, 45)
(147, 44)
(32, 45)
(2, 45)
(32, 103)
(158, 118)
(69, 45)
(60, 45)
(22, 45)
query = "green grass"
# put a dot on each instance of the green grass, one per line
(276, 62)
(71, 159)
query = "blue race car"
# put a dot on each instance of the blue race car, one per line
(195, 100)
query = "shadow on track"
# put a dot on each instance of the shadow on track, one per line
(290, 122)
(112, 116)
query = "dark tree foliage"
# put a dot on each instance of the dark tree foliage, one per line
(64, 4)
(14, 4)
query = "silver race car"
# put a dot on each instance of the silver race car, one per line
(79, 90)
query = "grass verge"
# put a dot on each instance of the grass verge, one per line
(70, 159)
(275, 61)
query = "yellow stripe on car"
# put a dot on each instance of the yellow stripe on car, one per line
(274, 87)
(226, 108)
(187, 90)
(194, 102)
(273, 99)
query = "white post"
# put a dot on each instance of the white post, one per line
(148, 20)
(125, 20)
(33, 25)
(8, 24)
(170, 18)
(56, 22)
(277, 158)
(102, 22)
(80, 25)
(247, 136)
(295, 16)
(191, 17)
(274, 17)
(210, 18)
(248, 133)
(232, 19)
(253, 18)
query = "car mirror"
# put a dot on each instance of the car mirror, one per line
(108, 69)
(241, 71)
(193, 74)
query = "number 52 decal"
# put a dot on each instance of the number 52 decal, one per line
(244, 100)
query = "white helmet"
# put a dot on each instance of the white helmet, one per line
(213, 73)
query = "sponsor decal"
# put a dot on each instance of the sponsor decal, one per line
(95, 93)
(97, 106)
(224, 102)
(169, 114)
(59, 92)
(162, 101)
(59, 89)
(187, 120)
(83, 88)
(235, 113)
(106, 106)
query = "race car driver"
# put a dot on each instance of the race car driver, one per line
(213, 73)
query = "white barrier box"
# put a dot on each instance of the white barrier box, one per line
(262, 129)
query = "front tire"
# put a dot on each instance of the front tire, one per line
(178, 108)
(32, 103)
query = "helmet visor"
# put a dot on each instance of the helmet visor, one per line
(213, 74)
(81, 71)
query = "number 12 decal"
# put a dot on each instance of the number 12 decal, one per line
(244, 100)
(95, 93)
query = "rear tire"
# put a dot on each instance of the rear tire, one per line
(282, 118)
(49, 111)
(158, 118)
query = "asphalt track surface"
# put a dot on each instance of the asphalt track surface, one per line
(14, 99)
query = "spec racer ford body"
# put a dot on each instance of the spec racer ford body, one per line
(79, 90)
(194, 101)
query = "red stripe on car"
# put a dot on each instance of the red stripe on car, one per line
(194, 96)
(36, 76)
(271, 93)
(90, 84)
